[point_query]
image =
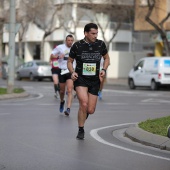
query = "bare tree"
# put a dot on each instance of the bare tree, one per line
(117, 17)
(43, 14)
(153, 4)
(109, 16)
(3, 19)
(23, 19)
(71, 16)
(1, 31)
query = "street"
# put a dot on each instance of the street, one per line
(35, 136)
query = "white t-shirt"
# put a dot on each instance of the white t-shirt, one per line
(62, 49)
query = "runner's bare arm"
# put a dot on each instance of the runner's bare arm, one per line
(54, 56)
(74, 75)
(70, 64)
(106, 62)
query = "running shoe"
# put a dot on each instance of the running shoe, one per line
(80, 135)
(100, 95)
(67, 111)
(62, 106)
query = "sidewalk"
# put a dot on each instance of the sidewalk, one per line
(139, 135)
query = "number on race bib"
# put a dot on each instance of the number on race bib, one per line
(89, 69)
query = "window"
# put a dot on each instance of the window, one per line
(30, 64)
(36, 52)
(139, 65)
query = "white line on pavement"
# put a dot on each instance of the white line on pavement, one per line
(118, 91)
(156, 100)
(40, 95)
(147, 100)
(94, 134)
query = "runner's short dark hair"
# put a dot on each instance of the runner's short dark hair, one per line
(69, 36)
(89, 26)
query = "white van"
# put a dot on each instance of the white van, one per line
(150, 72)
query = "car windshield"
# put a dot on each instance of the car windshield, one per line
(42, 63)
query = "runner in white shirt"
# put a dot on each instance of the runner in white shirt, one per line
(65, 81)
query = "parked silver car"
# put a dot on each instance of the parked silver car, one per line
(35, 69)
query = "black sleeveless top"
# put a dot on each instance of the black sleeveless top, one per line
(88, 56)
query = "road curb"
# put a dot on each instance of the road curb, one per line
(139, 135)
(13, 95)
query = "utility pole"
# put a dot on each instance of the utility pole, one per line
(11, 62)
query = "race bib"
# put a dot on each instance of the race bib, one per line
(55, 64)
(89, 69)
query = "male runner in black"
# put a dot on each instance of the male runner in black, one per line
(87, 75)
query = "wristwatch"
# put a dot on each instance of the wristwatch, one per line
(104, 70)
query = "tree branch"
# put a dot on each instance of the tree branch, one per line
(164, 20)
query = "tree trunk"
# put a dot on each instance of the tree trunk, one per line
(166, 44)
(162, 33)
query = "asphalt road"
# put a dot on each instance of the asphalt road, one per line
(35, 136)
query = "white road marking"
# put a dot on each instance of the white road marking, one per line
(147, 100)
(40, 95)
(150, 104)
(156, 100)
(118, 91)
(94, 134)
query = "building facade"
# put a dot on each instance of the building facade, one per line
(125, 40)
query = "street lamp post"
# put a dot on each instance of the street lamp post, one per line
(11, 62)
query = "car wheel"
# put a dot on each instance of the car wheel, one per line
(18, 76)
(131, 84)
(154, 85)
(31, 77)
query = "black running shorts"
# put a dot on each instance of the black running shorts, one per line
(55, 71)
(63, 78)
(93, 85)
